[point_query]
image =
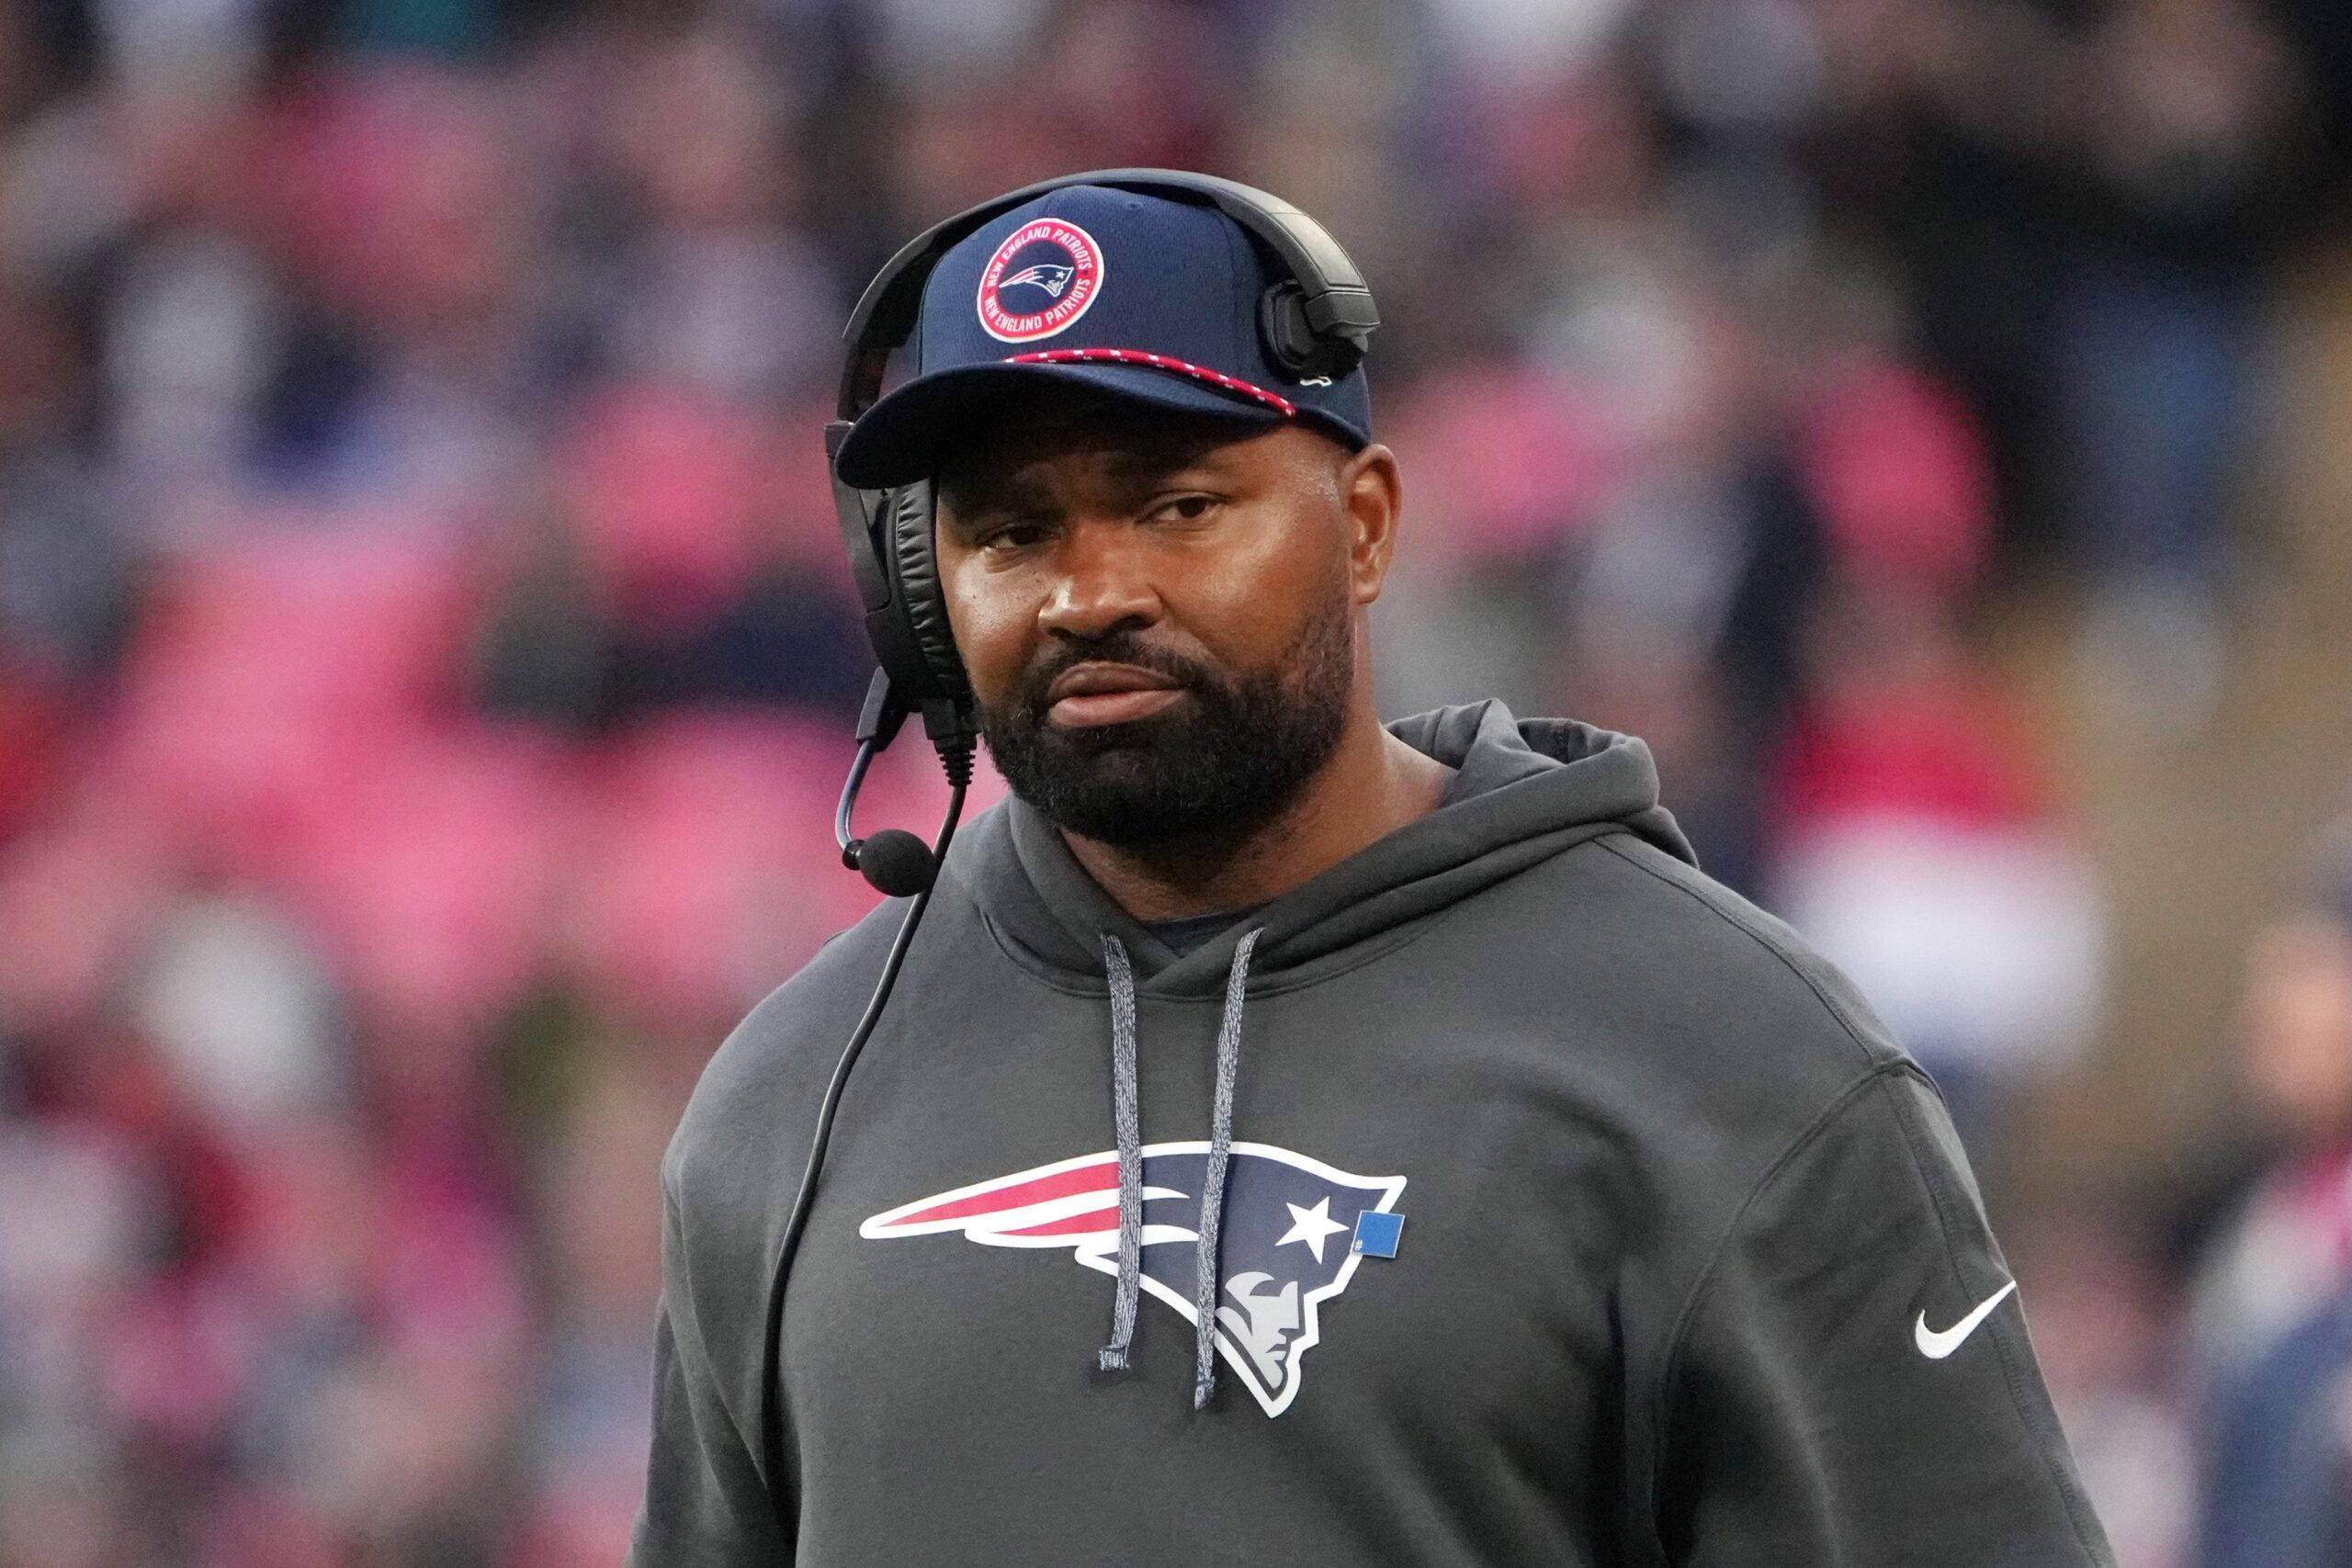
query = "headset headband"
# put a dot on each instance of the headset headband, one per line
(1333, 296)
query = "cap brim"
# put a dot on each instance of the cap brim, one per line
(899, 439)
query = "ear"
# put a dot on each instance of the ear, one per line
(1372, 495)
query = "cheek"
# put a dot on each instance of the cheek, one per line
(995, 617)
(1248, 603)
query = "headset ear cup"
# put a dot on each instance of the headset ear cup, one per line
(916, 561)
(1282, 325)
(1291, 339)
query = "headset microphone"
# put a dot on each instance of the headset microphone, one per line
(896, 862)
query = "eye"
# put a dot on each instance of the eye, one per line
(1011, 537)
(1187, 508)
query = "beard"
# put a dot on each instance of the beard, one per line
(1225, 761)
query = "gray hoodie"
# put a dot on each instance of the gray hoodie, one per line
(1563, 1207)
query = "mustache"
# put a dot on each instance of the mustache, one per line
(1113, 647)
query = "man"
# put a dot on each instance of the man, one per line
(1453, 1173)
(2271, 1309)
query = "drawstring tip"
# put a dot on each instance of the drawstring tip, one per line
(1111, 1359)
(1201, 1392)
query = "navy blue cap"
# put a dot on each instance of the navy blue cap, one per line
(1147, 299)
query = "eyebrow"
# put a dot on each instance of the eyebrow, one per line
(987, 494)
(1138, 467)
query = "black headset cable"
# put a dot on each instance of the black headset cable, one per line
(956, 758)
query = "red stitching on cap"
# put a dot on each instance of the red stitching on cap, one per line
(1157, 362)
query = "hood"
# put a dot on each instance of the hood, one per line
(1527, 790)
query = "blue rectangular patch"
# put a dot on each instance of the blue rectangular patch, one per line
(1377, 1233)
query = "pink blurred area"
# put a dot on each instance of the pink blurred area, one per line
(426, 661)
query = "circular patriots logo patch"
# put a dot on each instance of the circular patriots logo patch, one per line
(1040, 280)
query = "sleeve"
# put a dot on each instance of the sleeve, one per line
(705, 1504)
(1853, 1386)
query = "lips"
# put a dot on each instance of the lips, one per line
(1097, 693)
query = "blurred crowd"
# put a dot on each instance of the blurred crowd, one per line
(425, 667)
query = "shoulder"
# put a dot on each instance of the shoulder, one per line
(1747, 949)
(1723, 1016)
(747, 1126)
(756, 1098)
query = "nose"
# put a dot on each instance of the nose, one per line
(1102, 584)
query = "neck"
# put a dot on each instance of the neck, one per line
(1372, 784)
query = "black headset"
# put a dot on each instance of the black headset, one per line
(1316, 320)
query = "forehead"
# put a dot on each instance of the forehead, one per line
(1080, 427)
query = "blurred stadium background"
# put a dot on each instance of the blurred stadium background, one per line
(424, 668)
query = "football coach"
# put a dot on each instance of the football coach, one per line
(1290, 1138)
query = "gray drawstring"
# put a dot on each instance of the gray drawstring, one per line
(1204, 1273)
(1114, 1356)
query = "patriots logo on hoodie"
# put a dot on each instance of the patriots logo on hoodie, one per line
(1285, 1245)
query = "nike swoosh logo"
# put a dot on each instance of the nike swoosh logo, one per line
(1935, 1347)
